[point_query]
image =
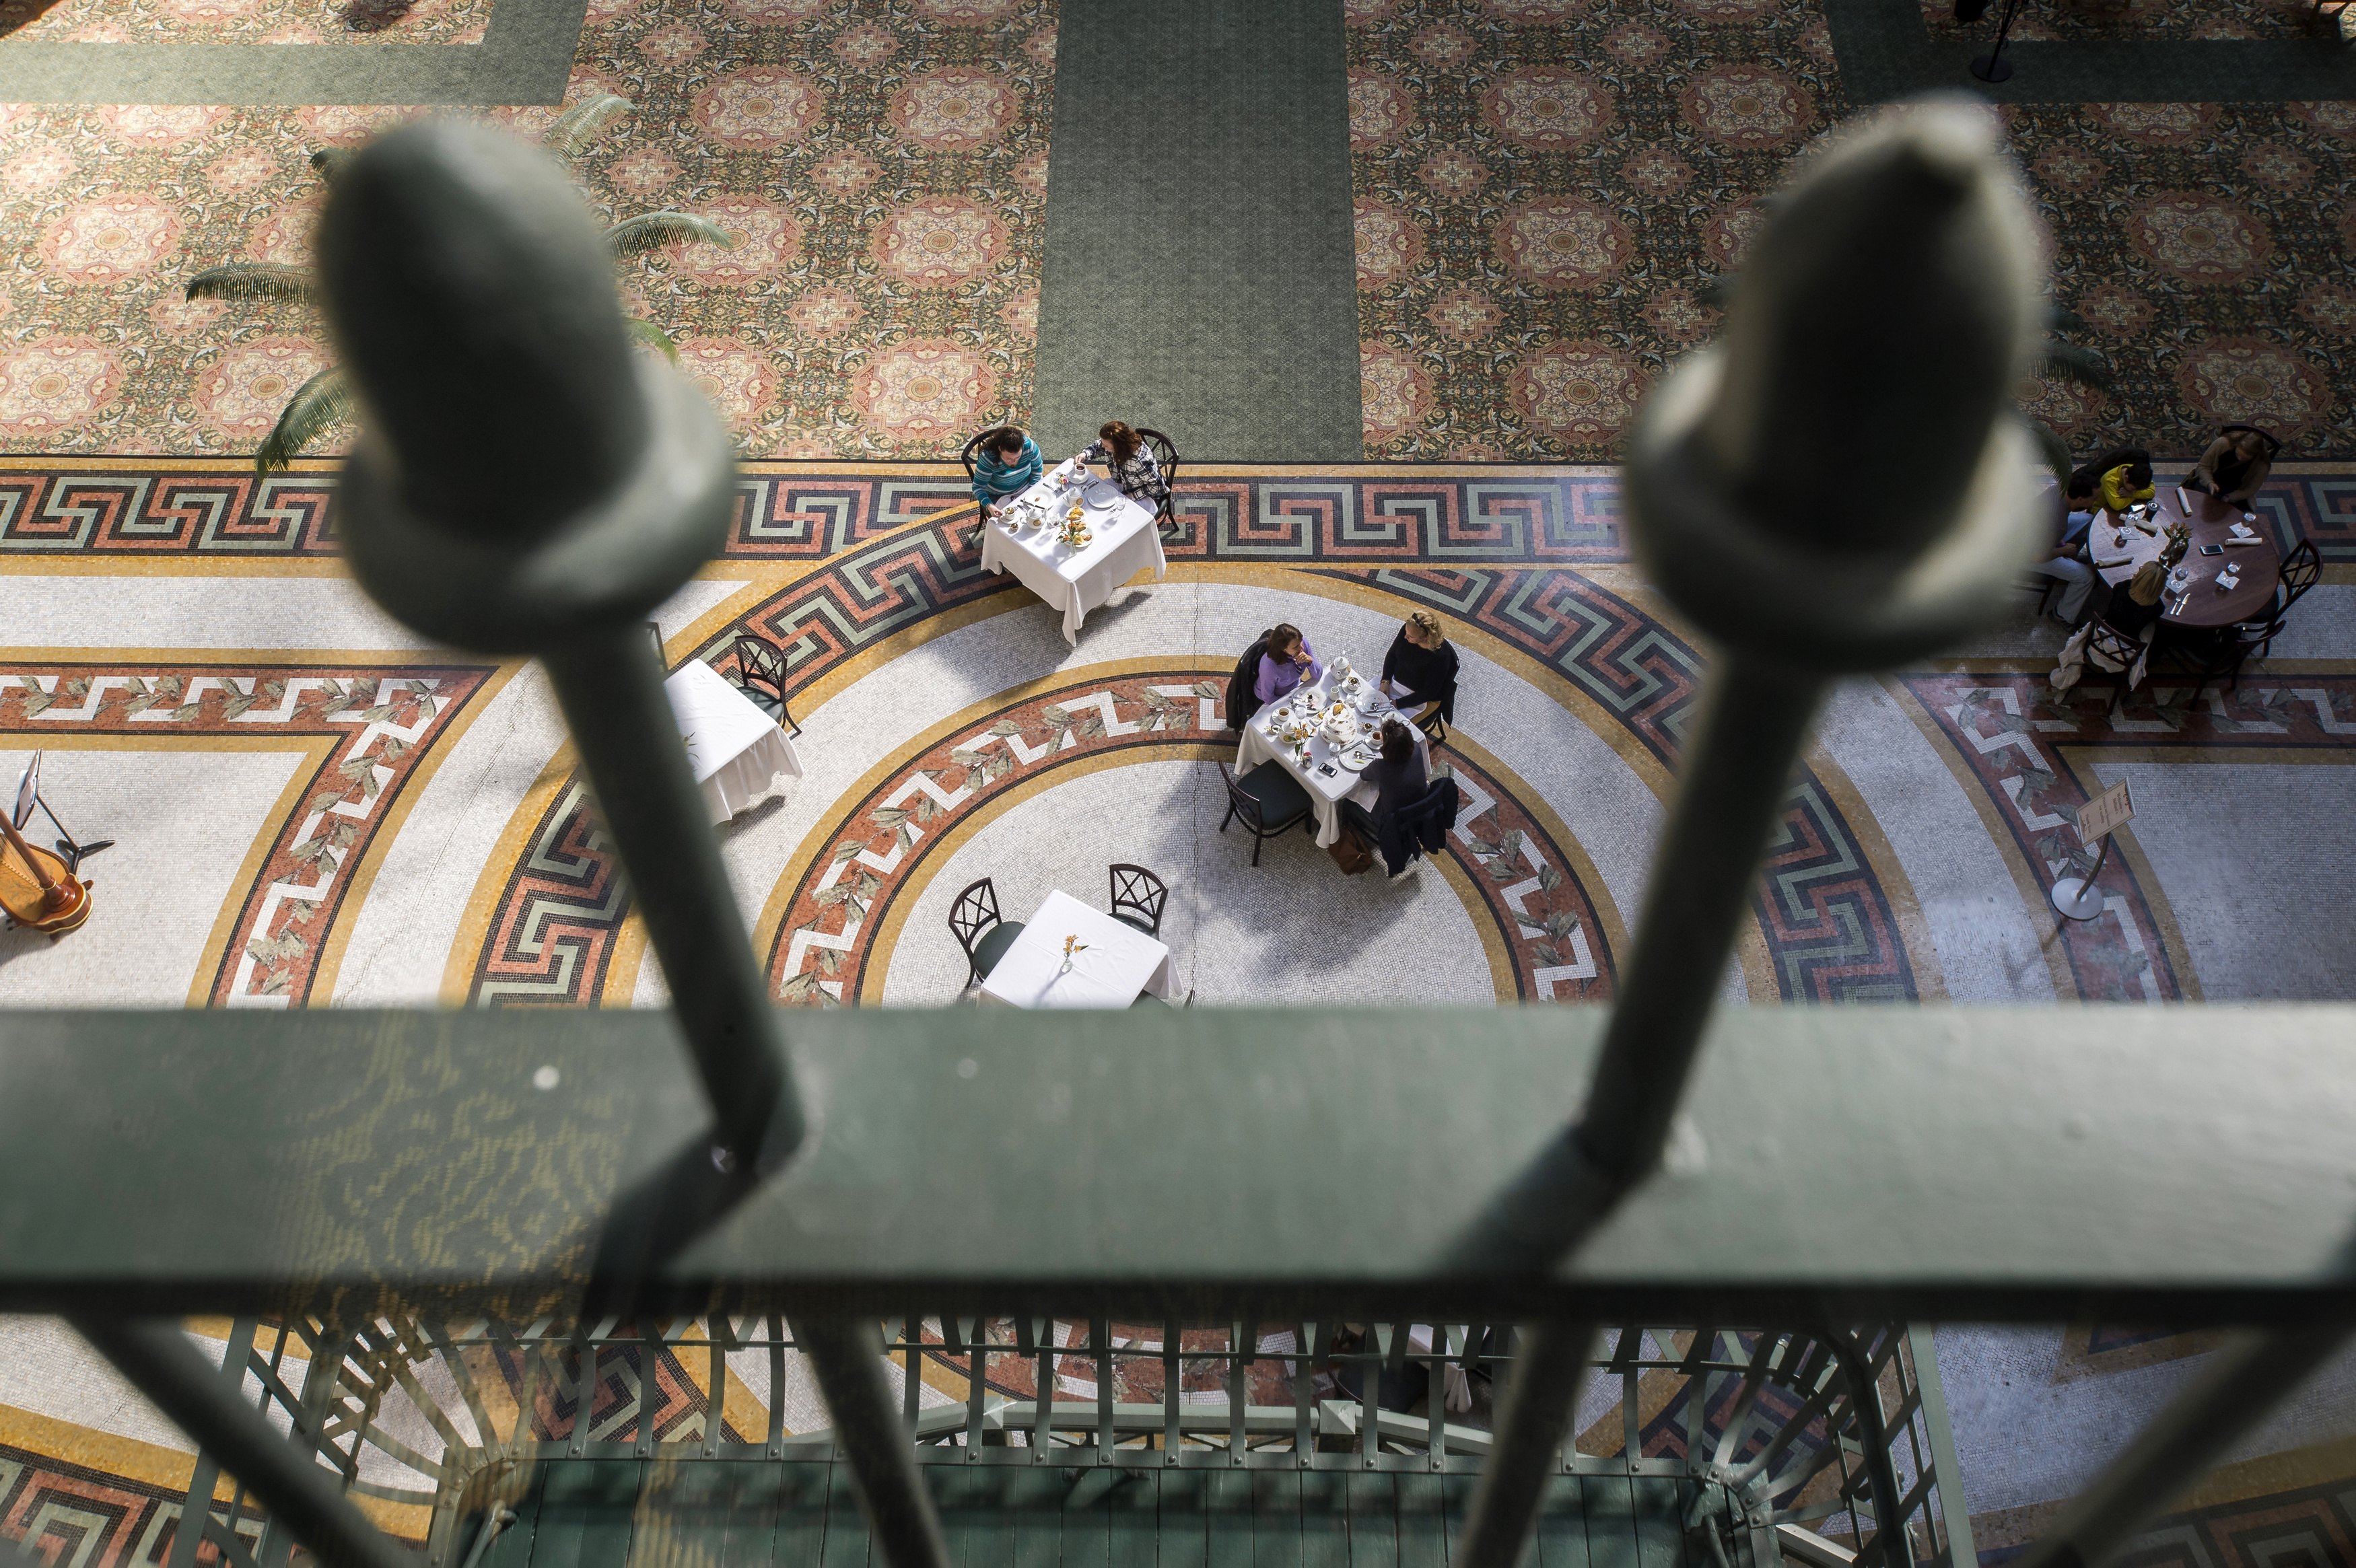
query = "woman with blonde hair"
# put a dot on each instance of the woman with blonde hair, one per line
(1130, 463)
(1420, 672)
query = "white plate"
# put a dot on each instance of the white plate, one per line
(1357, 761)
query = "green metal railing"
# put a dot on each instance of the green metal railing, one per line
(1817, 500)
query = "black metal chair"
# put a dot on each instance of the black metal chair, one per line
(760, 676)
(1243, 699)
(1137, 896)
(1434, 804)
(1268, 800)
(2300, 569)
(2223, 656)
(2114, 644)
(984, 934)
(1165, 452)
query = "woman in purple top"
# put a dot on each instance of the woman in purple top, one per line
(1288, 661)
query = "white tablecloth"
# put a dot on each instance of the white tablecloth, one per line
(1326, 791)
(737, 750)
(1120, 962)
(1126, 543)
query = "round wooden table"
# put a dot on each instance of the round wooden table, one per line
(2210, 521)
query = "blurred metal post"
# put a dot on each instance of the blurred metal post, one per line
(847, 1357)
(1549, 1366)
(524, 483)
(202, 1401)
(1820, 500)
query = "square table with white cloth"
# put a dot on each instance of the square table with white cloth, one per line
(737, 750)
(1118, 962)
(1027, 540)
(1326, 790)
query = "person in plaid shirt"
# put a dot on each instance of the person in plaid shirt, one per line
(1130, 464)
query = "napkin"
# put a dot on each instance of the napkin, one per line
(2230, 543)
(2122, 560)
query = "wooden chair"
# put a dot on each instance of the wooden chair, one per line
(1165, 452)
(1137, 896)
(760, 676)
(1268, 800)
(984, 934)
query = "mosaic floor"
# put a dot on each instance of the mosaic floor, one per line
(313, 807)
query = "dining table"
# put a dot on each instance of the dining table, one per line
(1291, 731)
(1027, 538)
(2193, 601)
(1109, 964)
(737, 750)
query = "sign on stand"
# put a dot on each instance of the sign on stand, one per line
(2077, 897)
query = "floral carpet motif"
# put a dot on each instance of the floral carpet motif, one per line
(883, 168)
(248, 21)
(1544, 186)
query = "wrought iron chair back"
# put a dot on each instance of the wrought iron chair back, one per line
(971, 916)
(1139, 891)
(760, 675)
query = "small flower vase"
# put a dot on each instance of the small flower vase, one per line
(1067, 964)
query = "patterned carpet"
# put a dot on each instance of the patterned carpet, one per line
(1542, 189)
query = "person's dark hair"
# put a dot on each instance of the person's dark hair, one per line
(1283, 635)
(1118, 439)
(2139, 474)
(2086, 481)
(1398, 744)
(1005, 438)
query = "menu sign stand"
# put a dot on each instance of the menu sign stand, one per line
(2077, 897)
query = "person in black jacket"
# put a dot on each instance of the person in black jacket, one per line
(1420, 672)
(1397, 776)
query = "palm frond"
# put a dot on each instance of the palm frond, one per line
(653, 230)
(2049, 445)
(1718, 292)
(323, 400)
(2060, 317)
(329, 162)
(648, 333)
(2058, 361)
(255, 281)
(578, 126)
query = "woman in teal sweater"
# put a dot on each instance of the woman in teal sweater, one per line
(1004, 465)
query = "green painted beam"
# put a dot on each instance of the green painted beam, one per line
(2165, 1164)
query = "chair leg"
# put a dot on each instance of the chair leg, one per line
(1257, 842)
(1230, 817)
(788, 715)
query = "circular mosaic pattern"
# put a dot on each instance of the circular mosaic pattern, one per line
(1393, 393)
(1726, 236)
(160, 124)
(240, 394)
(939, 241)
(1580, 391)
(766, 239)
(2159, 125)
(955, 110)
(738, 382)
(967, 13)
(1465, 316)
(925, 388)
(2116, 309)
(643, 172)
(1562, 242)
(1453, 173)
(52, 384)
(1444, 47)
(775, 13)
(754, 109)
(1388, 242)
(1748, 108)
(825, 312)
(2278, 168)
(846, 173)
(2200, 238)
(865, 46)
(672, 46)
(1380, 109)
(1656, 171)
(2072, 169)
(2251, 380)
(1676, 316)
(1547, 111)
(38, 168)
(1636, 45)
(2330, 307)
(104, 241)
